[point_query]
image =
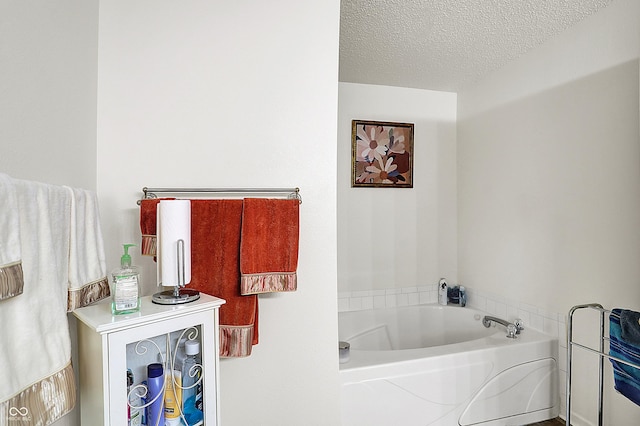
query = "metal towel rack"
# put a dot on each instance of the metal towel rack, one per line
(294, 193)
(600, 352)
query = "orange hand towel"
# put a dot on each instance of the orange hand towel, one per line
(215, 248)
(269, 245)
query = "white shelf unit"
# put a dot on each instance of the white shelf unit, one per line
(103, 361)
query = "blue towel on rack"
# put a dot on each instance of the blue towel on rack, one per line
(630, 324)
(626, 377)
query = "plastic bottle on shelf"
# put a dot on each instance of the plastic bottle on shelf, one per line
(177, 357)
(125, 286)
(155, 381)
(192, 392)
(442, 291)
(173, 396)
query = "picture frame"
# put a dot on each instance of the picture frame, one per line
(381, 154)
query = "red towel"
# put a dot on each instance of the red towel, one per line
(269, 246)
(215, 248)
(148, 219)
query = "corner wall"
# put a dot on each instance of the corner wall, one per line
(48, 75)
(549, 183)
(233, 94)
(48, 98)
(395, 243)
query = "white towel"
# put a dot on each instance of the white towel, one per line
(35, 346)
(11, 276)
(88, 281)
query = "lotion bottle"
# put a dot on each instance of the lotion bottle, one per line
(125, 286)
(173, 396)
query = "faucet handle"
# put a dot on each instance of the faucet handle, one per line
(519, 325)
(512, 330)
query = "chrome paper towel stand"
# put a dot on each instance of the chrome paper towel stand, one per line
(179, 294)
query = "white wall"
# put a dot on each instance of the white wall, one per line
(233, 94)
(48, 98)
(549, 181)
(392, 238)
(48, 74)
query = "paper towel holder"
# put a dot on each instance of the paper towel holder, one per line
(179, 295)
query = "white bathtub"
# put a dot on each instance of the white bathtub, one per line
(439, 366)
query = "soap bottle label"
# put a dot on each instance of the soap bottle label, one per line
(126, 292)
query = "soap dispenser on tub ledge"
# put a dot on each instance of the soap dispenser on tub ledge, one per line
(442, 291)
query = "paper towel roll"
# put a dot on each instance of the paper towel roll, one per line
(173, 224)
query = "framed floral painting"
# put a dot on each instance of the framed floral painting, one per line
(381, 154)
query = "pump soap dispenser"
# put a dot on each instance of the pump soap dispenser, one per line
(442, 291)
(125, 286)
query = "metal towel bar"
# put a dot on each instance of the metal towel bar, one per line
(294, 193)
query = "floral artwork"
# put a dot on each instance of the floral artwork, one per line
(382, 154)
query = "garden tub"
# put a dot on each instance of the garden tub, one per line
(439, 366)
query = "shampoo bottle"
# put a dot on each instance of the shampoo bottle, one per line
(125, 286)
(155, 396)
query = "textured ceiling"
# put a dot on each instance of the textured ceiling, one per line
(444, 44)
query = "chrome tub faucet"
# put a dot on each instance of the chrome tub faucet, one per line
(513, 329)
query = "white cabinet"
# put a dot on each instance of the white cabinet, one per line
(103, 340)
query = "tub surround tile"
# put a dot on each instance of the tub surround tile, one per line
(367, 302)
(402, 299)
(413, 298)
(379, 302)
(391, 301)
(355, 303)
(548, 315)
(539, 319)
(512, 311)
(525, 316)
(426, 297)
(477, 301)
(528, 307)
(343, 304)
(550, 326)
(500, 310)
(491, 307)
(536, 321)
